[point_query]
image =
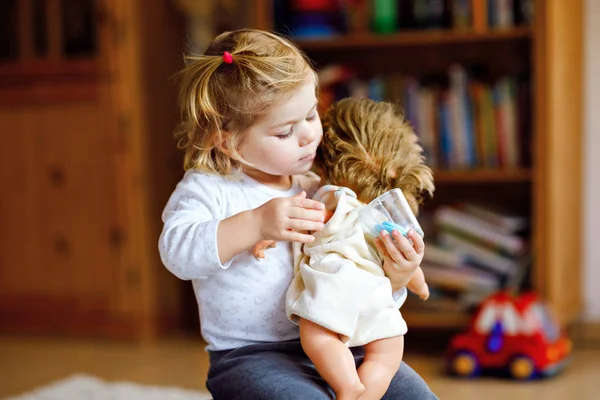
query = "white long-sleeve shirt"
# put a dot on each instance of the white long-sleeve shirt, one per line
(240, 302)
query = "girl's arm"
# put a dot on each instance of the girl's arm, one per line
(188, 242)
(196, 242)
(263, 245)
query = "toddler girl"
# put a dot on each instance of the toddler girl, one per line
(250, 132)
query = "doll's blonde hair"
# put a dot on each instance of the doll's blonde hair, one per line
(369, 147)
(219, 101)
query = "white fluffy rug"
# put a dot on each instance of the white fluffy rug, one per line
(85, 387)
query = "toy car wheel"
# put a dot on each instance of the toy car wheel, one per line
(465, 364)
(522, 368)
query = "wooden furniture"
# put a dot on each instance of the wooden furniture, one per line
(87, 158)
(87, 161)
(550, 189)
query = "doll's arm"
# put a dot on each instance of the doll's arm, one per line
(327, 214)
(417, 284)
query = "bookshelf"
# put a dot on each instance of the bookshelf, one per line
(409, 38)
(483, 175)
(545, 184)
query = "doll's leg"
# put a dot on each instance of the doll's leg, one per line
(382, 360)
(332, 358)
(417, 284)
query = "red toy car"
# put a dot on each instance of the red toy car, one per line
(513, 334)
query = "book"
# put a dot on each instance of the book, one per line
(472, 228)
(426, 125)
(460, 279)
(435, 254)
(491, 132)
(461, 14)
(476, 93)
(503, 220)
(478, 255)
(480, 15)
(446, 137)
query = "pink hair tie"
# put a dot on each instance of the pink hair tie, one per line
(228, 58)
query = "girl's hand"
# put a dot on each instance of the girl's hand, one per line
(400, 258)
(286, 218)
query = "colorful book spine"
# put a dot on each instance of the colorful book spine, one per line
(480, 15)
(506, 223)
(462, 124)
(461, 279)
(478, 255)
(472, 228)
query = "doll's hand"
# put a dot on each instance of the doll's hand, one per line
(400, 258)
(262, 246)
(286, 218)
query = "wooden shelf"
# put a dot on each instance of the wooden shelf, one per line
(483, 176)
(43, 81)
(435, 320)
(407, 38)
(35, 70)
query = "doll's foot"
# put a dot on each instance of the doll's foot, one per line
(352, 392)
(424, 293)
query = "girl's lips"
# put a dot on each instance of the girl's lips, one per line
(309, 157)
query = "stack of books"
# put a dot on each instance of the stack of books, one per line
(476, 251)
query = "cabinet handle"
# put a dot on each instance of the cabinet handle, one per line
(116, 238)
(57, 176)
(61, 245)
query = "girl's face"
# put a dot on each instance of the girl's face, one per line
(285, 141)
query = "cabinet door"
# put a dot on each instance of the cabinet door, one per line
(61, 238)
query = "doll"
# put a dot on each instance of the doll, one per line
(340, 295)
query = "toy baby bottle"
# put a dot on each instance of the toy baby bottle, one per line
(389, 212)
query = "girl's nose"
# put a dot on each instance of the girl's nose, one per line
(308, 136)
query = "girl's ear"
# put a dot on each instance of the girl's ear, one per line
(222, 143)
(229, 147)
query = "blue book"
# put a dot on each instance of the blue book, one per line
(470, 130)
(445, 133)
(376, 89)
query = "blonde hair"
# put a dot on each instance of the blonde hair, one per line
(220, 101)
(369, 147)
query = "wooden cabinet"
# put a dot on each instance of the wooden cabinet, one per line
(87, 160)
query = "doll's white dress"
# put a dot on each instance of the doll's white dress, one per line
(338, 279)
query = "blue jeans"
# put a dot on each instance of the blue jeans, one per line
(281, 371)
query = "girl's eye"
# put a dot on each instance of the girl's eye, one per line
(285, 135)
(311, 117)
